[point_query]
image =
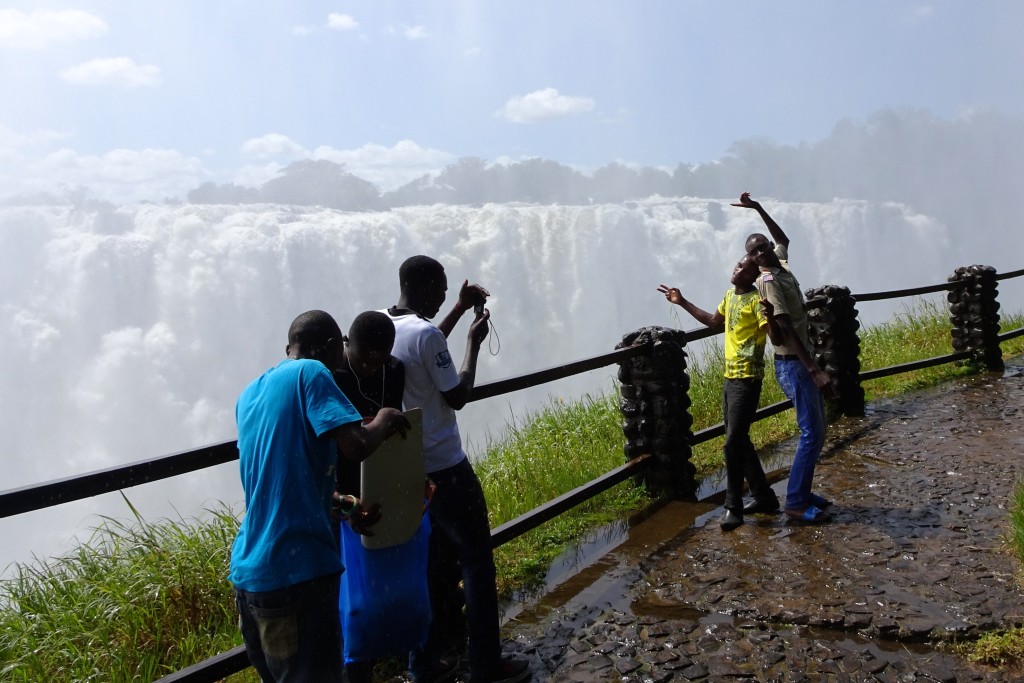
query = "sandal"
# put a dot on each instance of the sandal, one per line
(820, 502)
(809, 515)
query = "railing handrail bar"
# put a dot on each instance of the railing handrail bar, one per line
(76, 487)
(1009, 274)
(533, 518)
(1012, 334)
(515, 383)
(914, 365)
(927, 289)
(897, 293)
(213, 669)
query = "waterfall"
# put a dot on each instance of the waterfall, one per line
(130, 331)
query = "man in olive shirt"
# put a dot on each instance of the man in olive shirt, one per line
(799, 376)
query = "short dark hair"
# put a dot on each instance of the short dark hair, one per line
(372, 330)
(313, 329)
(419, 271)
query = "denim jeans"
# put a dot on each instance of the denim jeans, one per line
(739, 402)
(809, 404)
(459, 508)
(293, 633)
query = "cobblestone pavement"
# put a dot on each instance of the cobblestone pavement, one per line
(917, 554)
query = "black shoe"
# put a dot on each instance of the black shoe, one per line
(730, 520)
(512, 669)
(444, 670)
(767, 507)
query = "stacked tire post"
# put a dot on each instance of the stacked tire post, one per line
(655, 407)
(974, 312)
(832, 330)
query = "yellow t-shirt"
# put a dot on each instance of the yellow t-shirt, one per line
(746, 331)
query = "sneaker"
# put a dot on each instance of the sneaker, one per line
(730, 520)
(512, 669)
(767, 507)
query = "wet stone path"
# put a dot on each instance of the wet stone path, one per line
(917, 554)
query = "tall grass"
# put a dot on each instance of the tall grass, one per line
(133, 603)
(139, 599)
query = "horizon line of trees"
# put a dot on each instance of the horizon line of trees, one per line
(949, 168)
(906, 156)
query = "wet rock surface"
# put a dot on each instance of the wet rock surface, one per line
(916, 555)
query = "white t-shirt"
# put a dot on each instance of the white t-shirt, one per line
(429, 370)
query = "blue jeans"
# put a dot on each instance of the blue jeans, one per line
(459, 508)
(293, 633)
(739, 403)
(809, 404)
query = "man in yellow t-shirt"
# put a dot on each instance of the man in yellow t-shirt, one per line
(745, 323)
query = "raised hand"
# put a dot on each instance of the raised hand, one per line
(672, 294)
(471, 294)
(746, 202)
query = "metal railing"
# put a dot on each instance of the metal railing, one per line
(34, 497)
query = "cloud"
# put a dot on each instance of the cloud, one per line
(387, 167)
(12, 139)
(415, 32)
(41, 28)
(341, 22)
(118, 72)
(273, 146)
(472, 52)
(254, 175)
(120, 175)
(543, 104)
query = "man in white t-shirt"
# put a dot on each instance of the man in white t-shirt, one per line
(458, 507)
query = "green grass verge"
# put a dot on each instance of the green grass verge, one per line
(141, 599)
(135, 602)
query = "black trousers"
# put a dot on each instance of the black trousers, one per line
(739, 402)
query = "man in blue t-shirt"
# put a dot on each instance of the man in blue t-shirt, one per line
(292, 422)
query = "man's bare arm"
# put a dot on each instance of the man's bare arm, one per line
(459, 396)
(713, 320)
(357, 441)
(776, 231)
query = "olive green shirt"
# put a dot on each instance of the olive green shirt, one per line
(782, 290)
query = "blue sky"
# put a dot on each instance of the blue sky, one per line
(149, 99)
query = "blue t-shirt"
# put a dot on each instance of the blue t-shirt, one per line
(287, 465)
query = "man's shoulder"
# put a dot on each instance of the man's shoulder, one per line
(408, 326)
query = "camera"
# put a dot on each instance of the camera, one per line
(478, 307)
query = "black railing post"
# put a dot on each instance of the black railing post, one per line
(655, 407)
(974, 313)
(832, 329)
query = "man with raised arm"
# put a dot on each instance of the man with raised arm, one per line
(458, 507)
(798, 375)
(745, 324)
(292, 422)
